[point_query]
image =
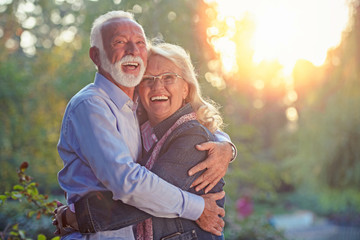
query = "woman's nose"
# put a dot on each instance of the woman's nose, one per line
(158, 83)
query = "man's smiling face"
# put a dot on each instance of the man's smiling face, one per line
(124, 53)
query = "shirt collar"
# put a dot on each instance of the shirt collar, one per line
(115, 93)
(161, 128)
(148, 136)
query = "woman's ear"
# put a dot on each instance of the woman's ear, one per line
(185, 90)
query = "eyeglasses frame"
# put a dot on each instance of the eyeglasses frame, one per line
(160, 76)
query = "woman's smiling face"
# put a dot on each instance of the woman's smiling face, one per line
(162, 100)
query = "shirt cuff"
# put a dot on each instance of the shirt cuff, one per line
(234, 151)
(72, 207)
(221, 136)
(194, 206)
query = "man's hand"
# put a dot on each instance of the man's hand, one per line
(65, 220)
(210, 220)
(216, 165)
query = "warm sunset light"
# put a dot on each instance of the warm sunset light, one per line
(284, 30)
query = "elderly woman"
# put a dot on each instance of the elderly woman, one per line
(178, 119)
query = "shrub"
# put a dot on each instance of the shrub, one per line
(25, 197)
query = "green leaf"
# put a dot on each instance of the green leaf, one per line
(18, 187)
(32, 189)
(14, 233)
(3, 197)
(41, 237)
(15, 227)
(16, 195)
(55, 238)
(31, 213)
(33, 184)
(22, 234)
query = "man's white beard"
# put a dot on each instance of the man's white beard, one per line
(115, 70)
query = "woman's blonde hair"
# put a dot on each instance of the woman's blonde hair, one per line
(207, 111)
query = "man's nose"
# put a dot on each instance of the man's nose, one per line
(131, 48)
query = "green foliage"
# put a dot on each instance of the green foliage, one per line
(37, 204)
(28, 130)
(326, 201)
(323, 156)
(27, 190)
(258, 228)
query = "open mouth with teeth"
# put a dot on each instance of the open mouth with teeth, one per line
(130, 66)
(159, 98)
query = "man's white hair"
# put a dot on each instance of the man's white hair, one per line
(95, 35)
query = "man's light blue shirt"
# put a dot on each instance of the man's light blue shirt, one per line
(99, 145)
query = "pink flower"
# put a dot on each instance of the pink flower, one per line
(244, 207)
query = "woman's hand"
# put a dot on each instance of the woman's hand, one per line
(216, 164)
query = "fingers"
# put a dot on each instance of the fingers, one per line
(221, 212)
(222, 223)
(58, 205)
(220, 226)
(201, 186)
(211, 218)
(208, 179)
(197, 168)
(215, 228)
(206, 176)
(198, 181)
(212, 184)
(57, 222)
(215, 232)
(215, 196)
(205, 146)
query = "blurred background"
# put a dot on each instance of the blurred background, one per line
(286, 73)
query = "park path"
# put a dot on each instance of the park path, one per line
(325, 231)
(304, 225)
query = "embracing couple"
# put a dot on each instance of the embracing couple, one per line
(143, 153)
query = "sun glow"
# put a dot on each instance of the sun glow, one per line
(284, 30)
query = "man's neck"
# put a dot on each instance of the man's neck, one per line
(127, 90)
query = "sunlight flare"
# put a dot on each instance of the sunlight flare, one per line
(285, 30)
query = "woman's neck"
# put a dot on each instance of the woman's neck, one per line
(155, 121)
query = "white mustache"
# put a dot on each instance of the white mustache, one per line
(129, 58)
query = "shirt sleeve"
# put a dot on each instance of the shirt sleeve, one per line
(221, 136)
(105, 151)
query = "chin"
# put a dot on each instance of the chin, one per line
(128, 80)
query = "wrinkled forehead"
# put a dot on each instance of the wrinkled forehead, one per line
(122, 26)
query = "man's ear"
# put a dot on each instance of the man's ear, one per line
(94, 54)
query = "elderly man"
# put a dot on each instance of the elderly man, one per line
(100, 139)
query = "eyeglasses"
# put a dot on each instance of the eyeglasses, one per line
(165, 78)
